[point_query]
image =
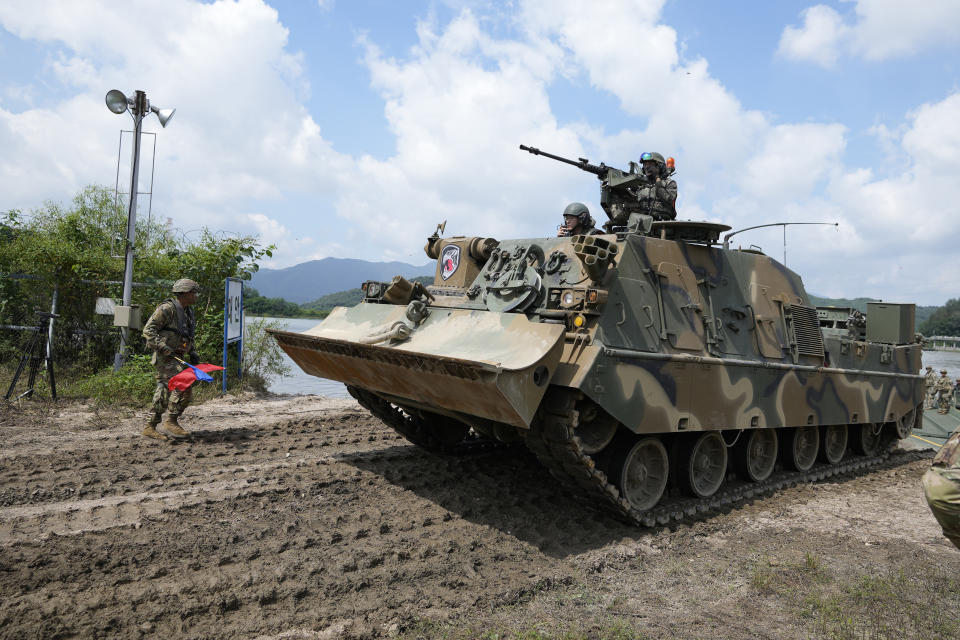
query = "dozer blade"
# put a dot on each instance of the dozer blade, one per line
(491, 365)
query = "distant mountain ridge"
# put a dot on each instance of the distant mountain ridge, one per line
(309, 281)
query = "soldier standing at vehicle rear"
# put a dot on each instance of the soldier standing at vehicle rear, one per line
(658, 195)
(170, 332)
(944, 390)
(930, 380)
(941, 486)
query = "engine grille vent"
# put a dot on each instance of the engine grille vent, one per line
(806, 331)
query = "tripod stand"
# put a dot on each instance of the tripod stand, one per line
(33, 352)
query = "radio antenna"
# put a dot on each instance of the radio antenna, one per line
(726, 238)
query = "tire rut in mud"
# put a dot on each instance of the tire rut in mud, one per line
(227, 535)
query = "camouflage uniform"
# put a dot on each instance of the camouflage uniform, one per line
(170, 333)
(658, 199)
(930, 380)
(944, 391)
(941, 486)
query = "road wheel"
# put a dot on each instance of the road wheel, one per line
(833, 443)
(703, 468)
(800, 447)
(641, 472)
(756, 454)
(869, 438)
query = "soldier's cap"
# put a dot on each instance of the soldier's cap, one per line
(185, 285)
(943, 371)
(929, 368)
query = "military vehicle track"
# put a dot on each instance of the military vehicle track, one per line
(552, 438)
(416, 429)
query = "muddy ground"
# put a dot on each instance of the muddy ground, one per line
(303, 517)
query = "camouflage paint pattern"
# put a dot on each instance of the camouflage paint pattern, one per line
(163, 399)
(677, 335)
(161, 330)
(941, 486)
(943, 390)
(161, 334)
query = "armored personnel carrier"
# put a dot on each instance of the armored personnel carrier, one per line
(653, 370)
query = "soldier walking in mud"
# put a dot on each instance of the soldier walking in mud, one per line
(577, 221)
(170, 332)
(941, 486)
(930, 381)
(944, 391)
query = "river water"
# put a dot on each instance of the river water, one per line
(299, 382)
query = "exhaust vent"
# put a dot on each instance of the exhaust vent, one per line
(804, 327)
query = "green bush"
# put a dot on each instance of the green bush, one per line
(132, 385)
(262, 356)
(74, 250)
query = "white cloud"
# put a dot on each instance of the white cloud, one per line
(792, 160)
(459, 106)
(270, 231)
(241, 134)
(887, 28)
(934, 139)
(245, 154)
(818, 40)
(909, 221)
(877, 30)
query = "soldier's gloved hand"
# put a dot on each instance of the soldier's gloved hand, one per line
(193, 358)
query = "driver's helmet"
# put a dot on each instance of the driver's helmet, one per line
(654, 156)
(579, 210)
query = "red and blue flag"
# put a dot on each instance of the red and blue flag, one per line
(183, 380)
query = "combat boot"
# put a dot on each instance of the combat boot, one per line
(174, 427)
(150, 430)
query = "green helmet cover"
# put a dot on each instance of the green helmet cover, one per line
(185, 285)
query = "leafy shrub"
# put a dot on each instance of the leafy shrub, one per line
(132, 385)
(262, 356)
(74, 250)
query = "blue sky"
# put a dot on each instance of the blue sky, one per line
(350, 129)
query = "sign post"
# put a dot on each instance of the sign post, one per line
(232, 324)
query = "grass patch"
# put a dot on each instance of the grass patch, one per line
(132, 386)
(610, 629)
(922, 604)
(917, 599)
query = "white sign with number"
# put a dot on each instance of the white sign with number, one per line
(234, 308)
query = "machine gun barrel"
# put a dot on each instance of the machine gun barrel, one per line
(582, 163)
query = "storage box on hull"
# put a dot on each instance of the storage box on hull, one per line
(890, 322)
